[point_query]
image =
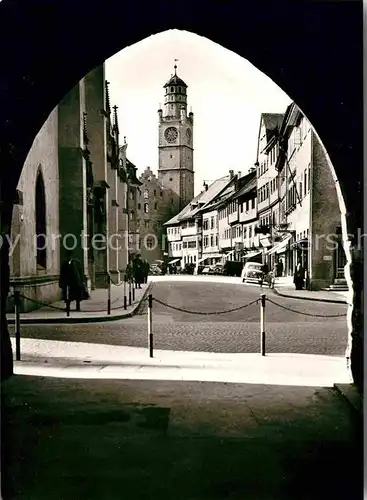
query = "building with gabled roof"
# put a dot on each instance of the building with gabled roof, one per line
(184, 231)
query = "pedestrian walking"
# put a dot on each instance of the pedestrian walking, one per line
(72, 281)
(280, 268)
(299, 275)
(138, 271)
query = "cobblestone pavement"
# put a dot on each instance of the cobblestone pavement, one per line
(231, 332)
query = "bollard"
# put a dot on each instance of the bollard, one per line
(17, 324)
(129, 293)
(109, 295)
(67, 301)
(150, 324)
(134, 285)
(262, 323)
(125, 298)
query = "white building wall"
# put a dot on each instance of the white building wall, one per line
(210, 233)
(300, 163)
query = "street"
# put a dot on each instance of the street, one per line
(234, 332)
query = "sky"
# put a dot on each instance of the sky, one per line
(226, 93)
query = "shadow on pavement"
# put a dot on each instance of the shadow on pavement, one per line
(104, 439)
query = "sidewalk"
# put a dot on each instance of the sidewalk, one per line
(51, 358)
(93, 310)
(315, 295)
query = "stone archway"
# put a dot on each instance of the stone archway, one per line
(317, 62)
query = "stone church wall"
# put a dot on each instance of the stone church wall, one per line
(33, 281)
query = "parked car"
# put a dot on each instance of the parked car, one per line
(155, 270)
(252, 273)
(209, 270)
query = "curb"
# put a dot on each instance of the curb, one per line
(350, 394)
(92, 319)
(314, 299)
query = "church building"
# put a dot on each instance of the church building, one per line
(77, 191)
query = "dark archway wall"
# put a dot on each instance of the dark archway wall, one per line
(311, 49)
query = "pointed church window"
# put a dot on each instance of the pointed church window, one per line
(41, 222)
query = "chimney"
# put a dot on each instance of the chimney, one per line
(231, 174)
(239, 174)
(205, 186)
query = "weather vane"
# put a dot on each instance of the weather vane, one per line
(176, 61)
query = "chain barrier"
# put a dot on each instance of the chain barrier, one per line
(59, 308)
(117, 284)
(307, 314)
(205, 313)
(42, 303)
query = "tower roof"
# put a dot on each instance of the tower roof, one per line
(175, 80)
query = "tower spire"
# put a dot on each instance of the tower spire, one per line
(108, 105)
(115, 120)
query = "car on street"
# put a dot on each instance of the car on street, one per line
(209, 270)
(252, 272)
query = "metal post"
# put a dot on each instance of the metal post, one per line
(262, 323)
(67, 301)
(150, 324)
(125, 298)
(17, 324)
(134, 285)
(109, 295)
(129, 293)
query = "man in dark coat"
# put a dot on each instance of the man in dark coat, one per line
(72, 281)
(146, 268)
(138, 271)
(299, 276)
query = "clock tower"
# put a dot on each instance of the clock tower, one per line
(175, 142)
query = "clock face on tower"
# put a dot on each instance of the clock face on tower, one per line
(188, 135)
(171, 134)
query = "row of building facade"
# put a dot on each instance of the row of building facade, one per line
(79, 191)
(285, 208)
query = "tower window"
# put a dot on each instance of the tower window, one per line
(139, 206)
(179, 89)
(155, 192)
(146, 207)
(146, 194)
(155, 206)
(172, 89)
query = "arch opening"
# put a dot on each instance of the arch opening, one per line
(348, 192)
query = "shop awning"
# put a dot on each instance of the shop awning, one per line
(280, 247)
(251, 254)
(265, 242)
(202, 259)
(174, 261)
